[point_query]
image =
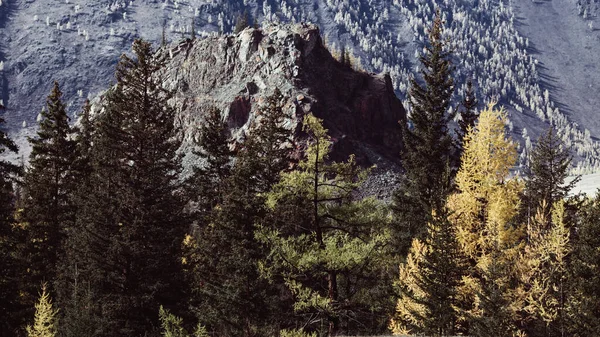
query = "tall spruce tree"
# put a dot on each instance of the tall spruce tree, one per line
(429, 282)
(9, 258)
(133, 215)
(468, 113)
(321, 240)
(583, 312)
(546, 174)
(45, 322)
(205, 187)
(72, 291)
(231, 299)
(49, 186)
(428, 145)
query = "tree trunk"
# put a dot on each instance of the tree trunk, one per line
(332, 294)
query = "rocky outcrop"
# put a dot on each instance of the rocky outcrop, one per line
(236, 72)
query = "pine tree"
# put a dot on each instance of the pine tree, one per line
(133, 215)
(163, 39)
(429, 282)
(73, 291)
(494, 312)
(9, 259)
(172, 326)
(428, 144)
(231, 298)
(49, 186)
(583, 303)
(45, 323)
(320, 240)
(205, 185)
(468, 113)
(545, 177)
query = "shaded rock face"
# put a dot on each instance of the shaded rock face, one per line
(236, 73)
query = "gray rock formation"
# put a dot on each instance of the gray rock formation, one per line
(236, 72)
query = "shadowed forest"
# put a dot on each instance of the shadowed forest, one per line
(102, 235)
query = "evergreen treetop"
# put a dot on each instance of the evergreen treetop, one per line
(428, 145)
(547, 171)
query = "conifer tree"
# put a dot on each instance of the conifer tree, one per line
(205, 185)
(49, 183)
(133, 215)
(545, 177)
(483, 210)
(45, 322)
(9, 258)
(583, 303)
(231, 297)
(331, 240)
(428, 145)
(468, 113)
(73, 291)
(545, 272)
(242, 22)
(429, 282)
(193, 28)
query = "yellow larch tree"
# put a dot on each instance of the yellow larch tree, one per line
(483, 209)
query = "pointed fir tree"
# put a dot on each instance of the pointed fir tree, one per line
(193, 28)
(546, 174)
(583, 304)
(231, 297)
(468, 113)
(332, 238)
(205, 186)
(10, 264)
(49, 186)
(428, 145)
(242, 22)
(133, 215)
(429, 282)
(73, 292)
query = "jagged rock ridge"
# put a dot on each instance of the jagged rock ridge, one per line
(236, 72)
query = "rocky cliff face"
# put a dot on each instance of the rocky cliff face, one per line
(236, 72)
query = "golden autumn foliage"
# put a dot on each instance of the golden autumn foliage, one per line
(482, 210)
(487, 199)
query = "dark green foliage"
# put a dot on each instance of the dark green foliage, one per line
(428, 144)
(49, 183)
(9, 259)
(443, 267)
(230, 297)
(322, 243)
(468, 113)
(545, 176)
(133, 219)
(495, 317)
(74, 293)
(584, 305)
(205, 185)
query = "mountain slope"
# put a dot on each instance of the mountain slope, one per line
(507, 46)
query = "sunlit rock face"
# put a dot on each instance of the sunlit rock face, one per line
(237, 72)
